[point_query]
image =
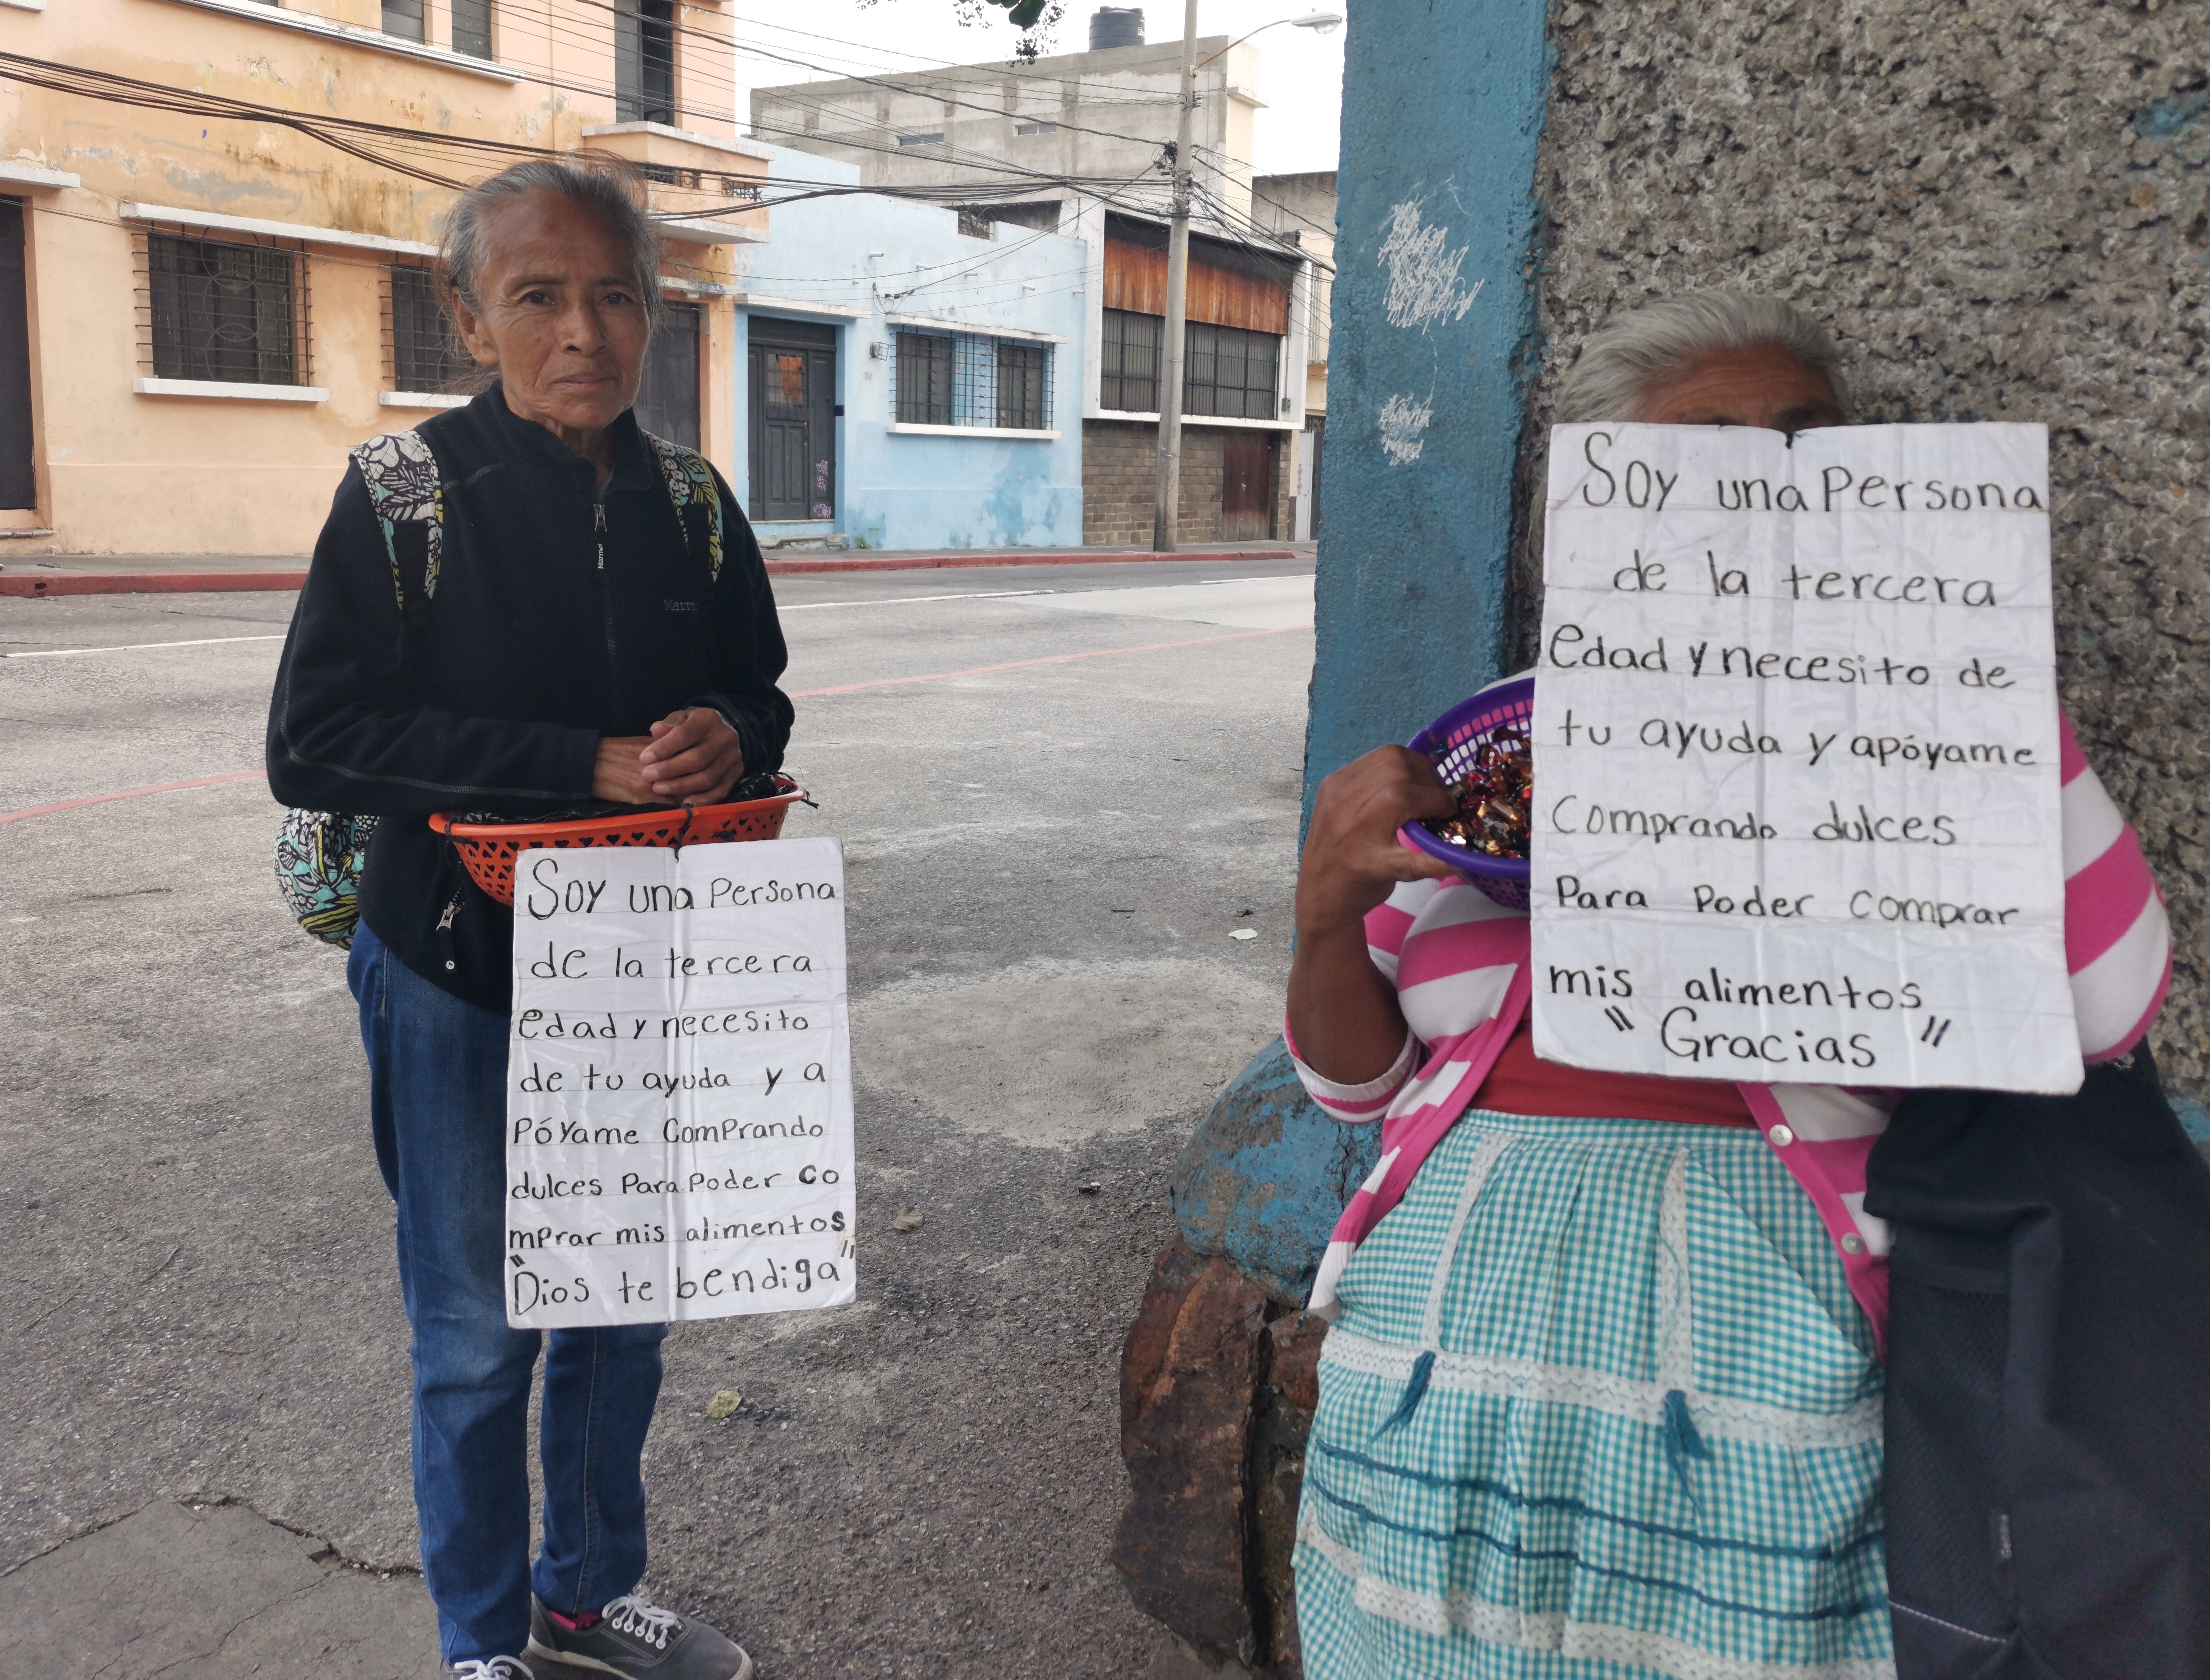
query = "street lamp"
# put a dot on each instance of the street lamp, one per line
(1166, 516)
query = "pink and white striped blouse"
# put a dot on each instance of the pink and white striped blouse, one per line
(1459, 962)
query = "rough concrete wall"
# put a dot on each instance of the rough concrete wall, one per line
(1120, 479)
(2003, 216)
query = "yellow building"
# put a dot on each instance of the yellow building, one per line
(217, 219)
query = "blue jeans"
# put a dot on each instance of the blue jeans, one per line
(438, 1092)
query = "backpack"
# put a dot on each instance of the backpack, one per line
(320, 855)
(2047, 1478)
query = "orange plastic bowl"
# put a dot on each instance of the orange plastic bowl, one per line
(489, 849)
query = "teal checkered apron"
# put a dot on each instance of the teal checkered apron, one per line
(1597, 1405)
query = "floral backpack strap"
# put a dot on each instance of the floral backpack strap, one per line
(698, 498)
(402, 475)
(320, 855)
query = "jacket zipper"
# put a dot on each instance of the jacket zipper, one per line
(605, 604)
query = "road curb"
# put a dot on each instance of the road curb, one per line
(193, 583)
(145, 583)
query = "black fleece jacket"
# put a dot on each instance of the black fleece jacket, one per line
(494, 697)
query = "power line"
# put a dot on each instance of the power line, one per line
(728, 42)
(376, 142)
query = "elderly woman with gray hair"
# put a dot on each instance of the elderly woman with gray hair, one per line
(523, 605)
(1601, 1400)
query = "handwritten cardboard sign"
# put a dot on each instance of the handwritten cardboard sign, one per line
(1796, 758)
(678, 1084)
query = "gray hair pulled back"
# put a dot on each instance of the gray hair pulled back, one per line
(1630, 352)
(601, 182)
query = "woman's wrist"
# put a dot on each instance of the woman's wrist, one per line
(1320, 914)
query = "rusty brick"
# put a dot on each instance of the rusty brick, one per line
(1190, 1371)
(1292, 1367)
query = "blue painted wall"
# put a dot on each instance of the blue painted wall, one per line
(1433, 335)
(1433, 318)
(899, 490)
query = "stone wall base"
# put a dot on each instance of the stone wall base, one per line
(1218, 1385)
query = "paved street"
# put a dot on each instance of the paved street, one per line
(1061, 789)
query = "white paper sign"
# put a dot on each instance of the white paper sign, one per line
(678, 1084)
(1796, 758)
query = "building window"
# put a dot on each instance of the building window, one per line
(936, 139)
(1020, 372)
(225, 312)
(472, 28)
(976, 224)
(403, 18)
(924, 379)
(1035, 128)
(426, 352)
(1226, 370)
(645, 61)
(1229, 372)
(1130, 360)
(972, 379)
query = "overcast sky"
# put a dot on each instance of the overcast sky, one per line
(1301, 71)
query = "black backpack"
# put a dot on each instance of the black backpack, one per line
(2047, 1411)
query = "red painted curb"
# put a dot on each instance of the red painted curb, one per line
(193, 583)
(1055, 557)
(146, 582)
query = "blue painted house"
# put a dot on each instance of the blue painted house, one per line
(909, 376)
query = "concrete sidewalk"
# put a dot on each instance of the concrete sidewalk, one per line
(151, 574)
(192, 1591)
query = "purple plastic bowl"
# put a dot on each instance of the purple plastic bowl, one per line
(1452, 740)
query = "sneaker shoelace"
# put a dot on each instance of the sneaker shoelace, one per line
(633, 1613)
(495, 1668)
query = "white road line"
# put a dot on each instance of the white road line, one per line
(1007, 595)
(907, 599)
(138, 646)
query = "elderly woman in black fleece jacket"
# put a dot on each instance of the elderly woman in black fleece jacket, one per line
(526, 604)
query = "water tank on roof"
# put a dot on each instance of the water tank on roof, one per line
(1116, 26)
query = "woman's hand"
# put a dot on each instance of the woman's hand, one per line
(693, 756)
(1352, 859)
(1342, 1010)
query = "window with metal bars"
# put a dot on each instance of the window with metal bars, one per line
(972, 379)
(924, 379)
(1130, 362)
(1229, 371)
(645, 61)
(226, 312)
(1226, 370)
(426, 352)
(472, 28)
(1020, 387)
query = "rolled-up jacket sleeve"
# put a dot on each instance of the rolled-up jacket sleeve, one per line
(343, 735)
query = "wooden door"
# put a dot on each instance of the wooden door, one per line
(1246, 486)
(794, 424)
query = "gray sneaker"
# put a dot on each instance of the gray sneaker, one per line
(634, 1638)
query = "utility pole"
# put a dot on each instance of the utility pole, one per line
(1167, 512)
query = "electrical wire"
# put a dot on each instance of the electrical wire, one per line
(728, 44)
(373, 142)
(391, 147)
(1015, 68)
